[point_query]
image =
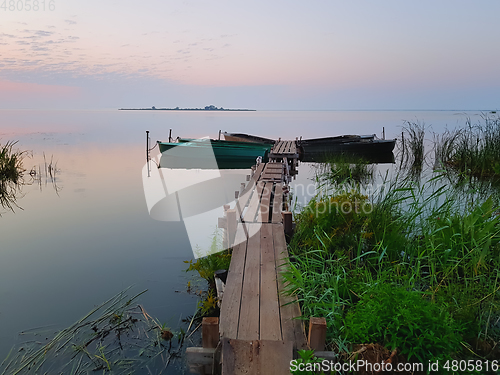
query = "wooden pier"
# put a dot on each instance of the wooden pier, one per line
(258, 331)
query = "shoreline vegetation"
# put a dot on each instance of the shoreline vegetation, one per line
(408, 272)
(207, 108)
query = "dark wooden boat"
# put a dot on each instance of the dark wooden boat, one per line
(356, 145)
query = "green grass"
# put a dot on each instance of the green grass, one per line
(420, 261)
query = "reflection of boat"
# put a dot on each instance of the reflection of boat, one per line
(211, 153)
(363, 146)
(241, 137)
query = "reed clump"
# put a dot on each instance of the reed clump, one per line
(411, 149)
(11, 172)
(342, 169)
(472, 150)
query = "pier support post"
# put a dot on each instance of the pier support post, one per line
(317, 334)
(210, 332)
(287, 223)
(232, 224)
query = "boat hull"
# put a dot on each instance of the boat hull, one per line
(211, 154)
(366, 147)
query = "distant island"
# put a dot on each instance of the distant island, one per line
(207, 108)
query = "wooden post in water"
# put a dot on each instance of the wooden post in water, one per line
(170, 136)
(232, 224)
(147, 150)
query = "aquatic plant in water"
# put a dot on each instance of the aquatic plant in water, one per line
(11, 171)
(117, 337)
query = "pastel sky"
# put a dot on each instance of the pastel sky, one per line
(274, 54)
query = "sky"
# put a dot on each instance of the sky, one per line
(264, 55)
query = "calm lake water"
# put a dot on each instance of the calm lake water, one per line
(75, 244)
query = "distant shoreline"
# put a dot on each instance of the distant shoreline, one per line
(187, 109)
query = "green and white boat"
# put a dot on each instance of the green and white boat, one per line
(205, 153)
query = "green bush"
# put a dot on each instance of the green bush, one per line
(397, 318)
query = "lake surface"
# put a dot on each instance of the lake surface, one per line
(79, 241)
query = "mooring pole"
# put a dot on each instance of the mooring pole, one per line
(383, 132)
(147, 150)
(170, 136)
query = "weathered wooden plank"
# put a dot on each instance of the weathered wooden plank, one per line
(230, 308)
(253, 206)
(273, 166)
(265, 203)
(274, 176)
(275, 357)
(292, 329)
(277, 203)
(270, 325)
(256, 357)
(248, 327)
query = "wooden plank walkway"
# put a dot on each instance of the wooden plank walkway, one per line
(286, 149)
(258, 329)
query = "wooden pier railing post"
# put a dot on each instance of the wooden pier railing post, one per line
(317, 334)
(232, 224)
(210, 332)
(287, 222)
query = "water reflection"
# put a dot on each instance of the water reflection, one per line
(194, 196)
